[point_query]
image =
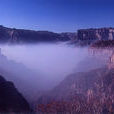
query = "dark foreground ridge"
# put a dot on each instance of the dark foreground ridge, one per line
(10, 99)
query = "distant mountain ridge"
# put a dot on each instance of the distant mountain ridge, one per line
(12, 35)
(81, 36)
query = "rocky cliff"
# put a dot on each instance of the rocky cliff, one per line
(77, 83)
(105, 49)
(103, 44)
(82, 36)
(10, 99)
(12, 35)
(88, 36)
(96, 34)
(84, 92)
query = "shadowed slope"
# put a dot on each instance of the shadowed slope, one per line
(10, 99)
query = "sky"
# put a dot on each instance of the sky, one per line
(57, 15)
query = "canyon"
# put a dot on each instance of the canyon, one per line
(84, 92)
(81, 36)
(88, 87)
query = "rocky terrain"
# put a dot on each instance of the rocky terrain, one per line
(71, 36)
(84, 37)
(106, 49)
(10, 99)
(103, 44)
(22, 78)
(12, 35)
(90, 91)
(81, 37)
(84, 92)
(90, 35)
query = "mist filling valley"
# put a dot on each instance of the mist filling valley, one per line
(40, 67)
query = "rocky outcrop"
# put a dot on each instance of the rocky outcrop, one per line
(96, 34)
(105, 49)
(12, 35)
(111, 61)
(10, 99)
(103, 44)
(88, 36)
(82, 36)
(77, 83)
(72, 36)
(86, 92)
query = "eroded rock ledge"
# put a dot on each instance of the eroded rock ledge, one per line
(10, 99)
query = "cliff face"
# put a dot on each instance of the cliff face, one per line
(96, 34)
(77, 83)
(9, 35)
(88, 36)
(82, 36)
(105, 49)
(10, 99)
(87, 92)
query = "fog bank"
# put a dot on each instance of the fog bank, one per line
(47, 64)
(53, 61)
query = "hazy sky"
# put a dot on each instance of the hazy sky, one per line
(57, 15)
